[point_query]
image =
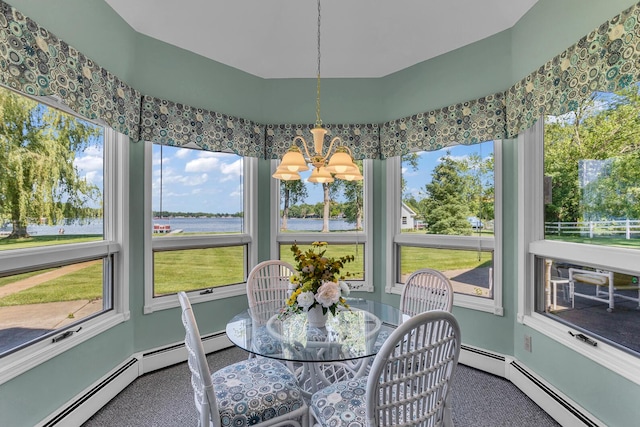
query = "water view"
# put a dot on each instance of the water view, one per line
(184, 225)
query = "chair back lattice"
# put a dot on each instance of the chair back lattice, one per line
(410, 377)
(203, 391)
(426, 290)
(268, 283)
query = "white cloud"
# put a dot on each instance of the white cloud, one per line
(232, 170)
(202, 164)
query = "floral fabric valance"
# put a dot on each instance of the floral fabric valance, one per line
(34, 61)
(363, 140)
(170, 123)
(469, 122)
(607, 59)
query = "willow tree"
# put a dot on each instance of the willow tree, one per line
(38, 178)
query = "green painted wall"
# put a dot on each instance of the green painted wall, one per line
(167, 72)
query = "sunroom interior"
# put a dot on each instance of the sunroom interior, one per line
(522, 324)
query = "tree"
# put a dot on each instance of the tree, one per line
(353, 207)
(39, 181)
(445, 209)
(292, 192)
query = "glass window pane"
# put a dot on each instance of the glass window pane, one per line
(354, 268)
(196, 192)
(52, 180)
(36, 304)
(603, 312)
(448, 191)
(470, 272)
(193, 269)
(314, 207)
(592, 172)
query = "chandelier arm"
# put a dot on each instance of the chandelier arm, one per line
(304, 145)
(326, 156)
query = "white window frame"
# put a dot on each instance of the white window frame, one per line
(396, 238)
(531, 243)
(151, 303)
(342, 238)
(116, 197)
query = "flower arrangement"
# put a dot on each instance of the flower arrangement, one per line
(318, 280)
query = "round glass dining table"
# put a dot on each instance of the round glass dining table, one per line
(317, 355)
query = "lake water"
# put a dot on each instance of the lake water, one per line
(190, 225)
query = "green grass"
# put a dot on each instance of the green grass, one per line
(84, 284)
(192, 269)
(414, 258)
(18, 277)
(35, 241)
(607, 241)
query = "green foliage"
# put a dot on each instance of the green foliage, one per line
(445, 209)
(38, 146)
(603, 127)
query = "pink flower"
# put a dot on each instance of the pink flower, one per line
(328, 294)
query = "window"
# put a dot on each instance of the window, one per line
(62, 193)
(451, 200)
(198, 228)
(337, 213)
(584, 209)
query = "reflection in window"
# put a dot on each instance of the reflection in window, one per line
(470, 272)
(592, 172)
(601, 302)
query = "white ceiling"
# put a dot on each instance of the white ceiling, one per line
(360, 38)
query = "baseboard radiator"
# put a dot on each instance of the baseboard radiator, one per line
(83, 406)
(79, 409)
(556, 404)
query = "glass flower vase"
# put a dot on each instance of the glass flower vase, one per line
(316, 318)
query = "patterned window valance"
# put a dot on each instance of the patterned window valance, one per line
(607, 59)
(170, 123)
(35, 62)
(363, 140)
(469, 122)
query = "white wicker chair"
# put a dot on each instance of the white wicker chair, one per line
(268, 282)
(426, 290)
(409, 381)
(259, 380)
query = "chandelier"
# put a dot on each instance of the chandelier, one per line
(326, 166)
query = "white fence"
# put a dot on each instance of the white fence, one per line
(627, 227)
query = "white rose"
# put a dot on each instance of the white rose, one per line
(305, 299)
(328, 294)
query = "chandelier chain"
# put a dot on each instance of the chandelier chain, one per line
(318, 119)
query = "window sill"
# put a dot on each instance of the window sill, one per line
(607, 356)
(171, 301)
(23, 360)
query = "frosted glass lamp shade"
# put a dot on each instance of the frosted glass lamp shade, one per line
(285, 174)
(294, 161)
(340, 162)
(320, 175)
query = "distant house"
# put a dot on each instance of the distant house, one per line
(407, 218)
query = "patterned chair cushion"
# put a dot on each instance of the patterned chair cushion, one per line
(264, 343)
(341, 404)
(255, 390)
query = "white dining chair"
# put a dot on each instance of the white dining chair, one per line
(424, 290)
(268, 282)
(259, 391)
(409, 382)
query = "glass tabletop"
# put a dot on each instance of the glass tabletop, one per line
(351, 334)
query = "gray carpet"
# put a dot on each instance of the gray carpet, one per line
(164, 398)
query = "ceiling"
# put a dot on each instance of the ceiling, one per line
(359, 38)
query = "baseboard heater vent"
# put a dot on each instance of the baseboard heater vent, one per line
(483, 353)
(72, 407)
(567, 406)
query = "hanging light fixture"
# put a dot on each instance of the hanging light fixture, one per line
(326, 167)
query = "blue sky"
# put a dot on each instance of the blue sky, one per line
(201, 181)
